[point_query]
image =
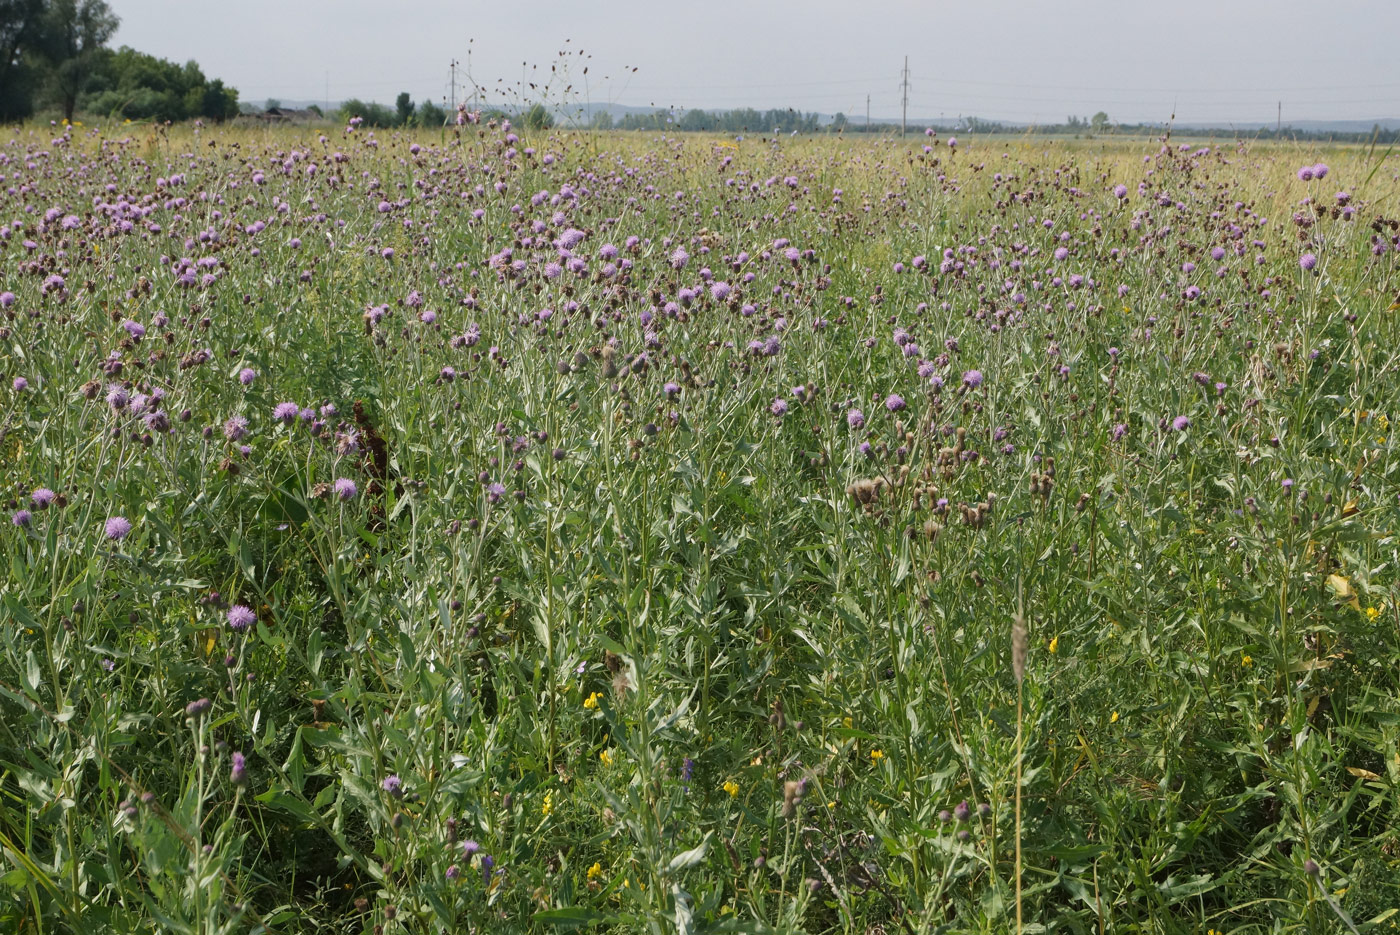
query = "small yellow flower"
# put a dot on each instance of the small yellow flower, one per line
(1054, 645)
(1372, 613)
(607, 757)
(1246, 661)
(591, 702)
(731, 787)
(595, 871)
(1114, 718)
(848, 723)
(876, 756)
(547, 807)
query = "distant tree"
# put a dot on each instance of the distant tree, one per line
(272, 104)
(537, 117)
(431, 115)
(1099, 122)
(375, 115)
(403, 110)
(315, 109)
(74, 34)
(217, 102)
(838, 122)
(696, 120)
(143, 87)
(602, 120)
(21, 23)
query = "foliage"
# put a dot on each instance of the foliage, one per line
(57, 49)
(142, 87)
(495, 530)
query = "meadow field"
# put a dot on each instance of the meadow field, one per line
(488, 531)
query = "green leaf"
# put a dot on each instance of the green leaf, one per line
(688, 858)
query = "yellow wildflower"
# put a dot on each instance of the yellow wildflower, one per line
(1372, 613)
(591, 702)
(876, 756)
(547, 807)
(606, 757)
(731, 787)
(595, 871)
(1114, 718)
(1054, 645)
(1246, 661)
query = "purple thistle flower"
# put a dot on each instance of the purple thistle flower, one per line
(1320, 170)
(1120, 191)
(42, 497)
(894, 402)
(855, 419)
(671, 389)
(679, 258)
(393, 785)
(469, 847)
(247, 375)
(117, 527)
(241, 617)
(1181, 424)
(1307, 261)
(779, 407)
(487, 863)
(285, 412)
(494, 492)
(198, 706)
(345, 488)
(235, 428)
(21, 518)
(972, 379)
(20, 384)
(238, 771)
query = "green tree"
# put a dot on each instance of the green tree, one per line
(1099, 122)
(602, 120)
(74, 34)
(21, 24)
(403, 110)
(537, 117)
(431, 115)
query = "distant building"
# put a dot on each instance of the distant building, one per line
(287, 115)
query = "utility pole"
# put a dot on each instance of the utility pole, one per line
(452, 67)
(904, 117)
(867, 113)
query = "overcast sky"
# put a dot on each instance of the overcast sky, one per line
(1022, 60)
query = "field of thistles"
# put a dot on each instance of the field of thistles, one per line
(478, 532)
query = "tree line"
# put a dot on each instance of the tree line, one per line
(54, 53)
